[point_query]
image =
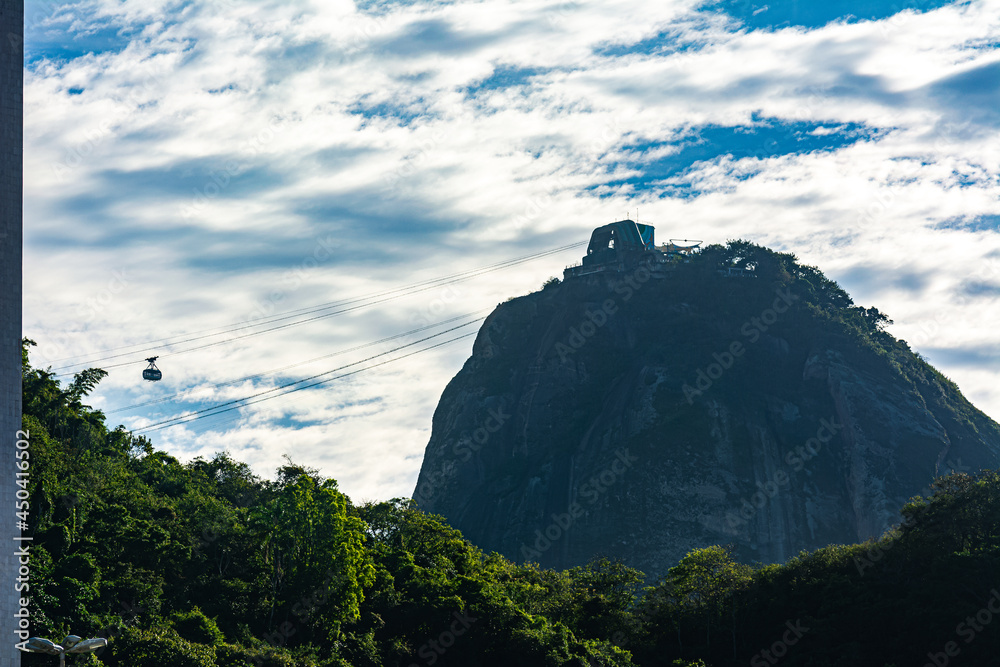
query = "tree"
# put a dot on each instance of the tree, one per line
(314, 554)
(703, 586)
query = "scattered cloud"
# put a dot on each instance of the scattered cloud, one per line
(198, 165)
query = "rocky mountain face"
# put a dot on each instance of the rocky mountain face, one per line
(640, 415)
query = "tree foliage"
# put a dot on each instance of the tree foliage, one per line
(204, 564)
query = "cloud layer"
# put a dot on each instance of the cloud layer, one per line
(192, 165)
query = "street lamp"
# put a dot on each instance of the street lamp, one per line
(72, 644)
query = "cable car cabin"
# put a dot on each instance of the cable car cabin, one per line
(152, 373)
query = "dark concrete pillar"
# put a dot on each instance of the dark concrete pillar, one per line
(12, 111)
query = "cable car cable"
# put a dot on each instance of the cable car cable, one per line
(164, 399)
(313, 377)
(264, 331)
(361, 370)
(407, 289)
(244, 402)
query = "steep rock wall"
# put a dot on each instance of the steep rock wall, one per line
(642, 419)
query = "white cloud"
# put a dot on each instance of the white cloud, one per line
(214, 152)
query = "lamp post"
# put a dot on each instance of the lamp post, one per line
(72, 644)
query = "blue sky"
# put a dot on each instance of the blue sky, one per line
(190, 165)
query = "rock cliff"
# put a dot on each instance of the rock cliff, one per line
(640, 415)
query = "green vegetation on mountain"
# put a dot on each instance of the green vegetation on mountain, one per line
(204, 564)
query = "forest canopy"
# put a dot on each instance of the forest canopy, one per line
(203, 564)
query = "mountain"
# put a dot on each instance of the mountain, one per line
(659, 401)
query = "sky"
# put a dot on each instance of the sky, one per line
(218, 174)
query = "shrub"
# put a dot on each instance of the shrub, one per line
(195, 627)
(156, 648)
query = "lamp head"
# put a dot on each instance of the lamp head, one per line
(88, 645)
(40, 645)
